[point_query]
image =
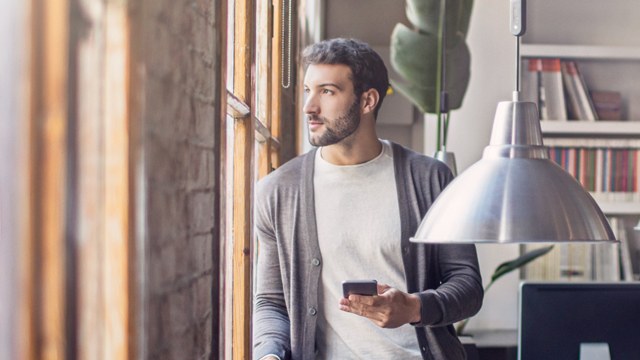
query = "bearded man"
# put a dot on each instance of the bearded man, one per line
(345, 211)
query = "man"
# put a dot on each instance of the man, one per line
(346, 211)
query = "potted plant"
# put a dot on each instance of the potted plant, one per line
(433, 58)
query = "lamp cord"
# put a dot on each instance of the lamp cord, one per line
(288, 83)
(518, 63)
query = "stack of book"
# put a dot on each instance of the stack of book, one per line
(559, 90)
(608, 168)
(584, 262)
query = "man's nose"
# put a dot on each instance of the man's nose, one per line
(311, 106)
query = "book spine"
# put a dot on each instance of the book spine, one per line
(552, 91)
(586, 102)
(599, 171)
(530, 80)
(625, 169)
(609, 170)
(625, 253)
(574, 111)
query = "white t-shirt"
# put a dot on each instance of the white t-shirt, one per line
(358, 222)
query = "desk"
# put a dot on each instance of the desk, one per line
(496, 344)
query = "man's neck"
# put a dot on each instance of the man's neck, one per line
(359, 151)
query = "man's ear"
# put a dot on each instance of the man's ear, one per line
(370, 100)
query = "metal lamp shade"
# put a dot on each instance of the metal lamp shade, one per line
(515, 193)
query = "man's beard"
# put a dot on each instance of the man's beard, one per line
(340, 128)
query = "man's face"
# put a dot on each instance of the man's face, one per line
(333, 111)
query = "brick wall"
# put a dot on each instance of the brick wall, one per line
(179, 142)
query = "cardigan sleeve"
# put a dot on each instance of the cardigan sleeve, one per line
(460, 293)
(271, 324)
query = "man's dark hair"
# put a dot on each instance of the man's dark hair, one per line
(367, 68)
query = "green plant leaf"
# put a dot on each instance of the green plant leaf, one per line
(423, 14)
(507, 267)
(414, 57)
(420, 97)
(465, 16)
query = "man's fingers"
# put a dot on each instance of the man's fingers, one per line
(382, 288)
(367, 300)
(362, 310)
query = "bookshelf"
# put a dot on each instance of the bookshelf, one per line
(589, 52)
(606, 68)
(590, 128)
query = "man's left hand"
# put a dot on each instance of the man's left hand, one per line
(390, 309)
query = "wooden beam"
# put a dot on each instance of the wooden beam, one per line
(89, 133)
(116, 212)
(237, 108)
(28, 346)
(243, 178)
(51, 123)
(276, 79)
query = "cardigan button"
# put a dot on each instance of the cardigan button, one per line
(312, 311)
(315, 262)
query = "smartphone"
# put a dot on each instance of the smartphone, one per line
(359, 287)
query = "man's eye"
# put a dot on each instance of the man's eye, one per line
(327, 91)
(307, 90)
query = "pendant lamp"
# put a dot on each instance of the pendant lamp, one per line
(515, 193)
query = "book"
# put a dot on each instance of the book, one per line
(579, 101)
(625, 252)
(610, 174)
(607, 257)
(582, 262)
(585, 92)
(551, 91)
(531, 80)
(575, 262)
(608, 104)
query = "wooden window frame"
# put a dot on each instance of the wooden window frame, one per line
(242, 106)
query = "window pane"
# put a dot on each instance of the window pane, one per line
(228, 243)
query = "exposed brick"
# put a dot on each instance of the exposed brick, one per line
(179, 140)
(203, 337)
(161, 40)
(201, 256)
(168, 160)
(202, 297)
(201, 168)
(167, 213)
(183, 259)
(155, 270)
(200, 210)
(180, 311)
(183, 346)
(204, 126)
(163, 102)
(168, 269)
(154, 332)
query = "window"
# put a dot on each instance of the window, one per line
(252, 150)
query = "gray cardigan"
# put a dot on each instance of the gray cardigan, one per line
(446, 278)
